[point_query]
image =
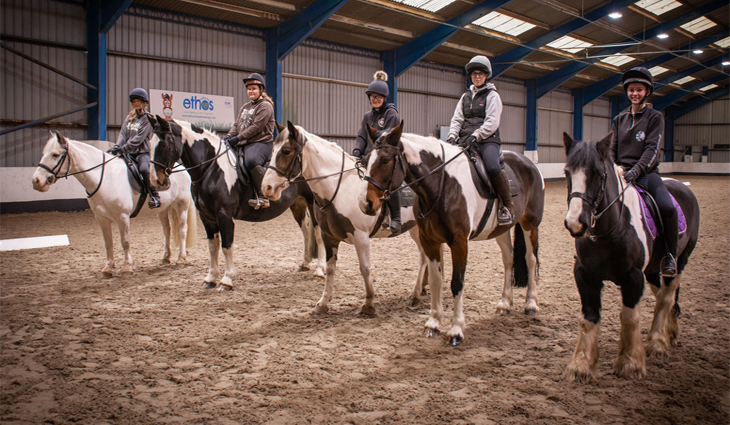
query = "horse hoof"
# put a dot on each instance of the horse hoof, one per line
(368, 310)
(432, 333)
(106, 275)
(456, 340)
(165, 261)
(209, 285)
(319, 274)
(224, 288)
(318, 309)
(127, 273)
(502, 311)
(180, 263)
(531, 313)
(413, 302)
(304, 268)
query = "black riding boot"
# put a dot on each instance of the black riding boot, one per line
(501, 185)
(394, 205)
(154, 201)
(257, 175)
(671, 230)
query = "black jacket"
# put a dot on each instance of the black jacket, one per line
(384, 119)
(637, 139)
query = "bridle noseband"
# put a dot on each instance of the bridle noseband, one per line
(57, 168)
(387, 189)
(595, 216)
(288, 174)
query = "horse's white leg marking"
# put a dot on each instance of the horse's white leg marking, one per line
(213, 247)
(505, 245)
(582, 366)
(435, 280)
(575, 207)
(631, 362)
(362, 247)
(665, 327)
(182, 222)
(106, 230)
(531, 307)
(329, 285)
(123, 224)
(321, 253)
(459, 321)
(165, 221)
(230, 267)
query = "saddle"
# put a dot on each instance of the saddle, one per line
(243, 175)
(482, 181)
(651, 217)
(137, 183)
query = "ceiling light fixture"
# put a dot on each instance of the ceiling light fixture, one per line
(615, 15)
(697, 52)
(663, 35)
(726, 63)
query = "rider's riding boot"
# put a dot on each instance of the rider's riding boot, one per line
(671, 229)
(257, 175)
(394, 205)
(501, 185)
(154, 201)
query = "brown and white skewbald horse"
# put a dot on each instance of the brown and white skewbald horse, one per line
(449, 209)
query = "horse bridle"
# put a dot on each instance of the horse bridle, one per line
(290, 169)
(595, 216)
(57, 169)
(387, 188)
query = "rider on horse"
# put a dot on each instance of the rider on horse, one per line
(476, 119)
(253, 133)
(638, 135)
(382, 117)
(134, 140)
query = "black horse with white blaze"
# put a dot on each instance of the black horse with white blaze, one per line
(221, 197)
(612, 243)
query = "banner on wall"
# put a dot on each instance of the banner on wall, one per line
(204, 110)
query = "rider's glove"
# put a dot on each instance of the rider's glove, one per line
(451, 141)
(116, 150)
(468, 141)
(231, 140)
(357, 154)
(631, 175)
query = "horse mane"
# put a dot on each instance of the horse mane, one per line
(431, 143)
(188, 127)
(324, 142)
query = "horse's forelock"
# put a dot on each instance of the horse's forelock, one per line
(583, 155)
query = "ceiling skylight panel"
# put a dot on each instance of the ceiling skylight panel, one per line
(569, 44)
(724, 43)
(658, 70)
(658, 7)
(618, 60)
(684, 80)
(430, 5)
(503, 23)
(710, 87)
(698, 25)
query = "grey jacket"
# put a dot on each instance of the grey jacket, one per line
(255, 123)
(135, 135)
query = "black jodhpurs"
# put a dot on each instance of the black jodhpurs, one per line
(654, 184)
(490, 153)
(256, 154)
(143, 163)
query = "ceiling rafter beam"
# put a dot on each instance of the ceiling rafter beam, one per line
(678, 95)
(236, 9)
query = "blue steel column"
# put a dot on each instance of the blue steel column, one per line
(96, 72)
(669, 135)
(531, 120)
(389, 68)
(273, 71)
(578, 114)
(615, 106)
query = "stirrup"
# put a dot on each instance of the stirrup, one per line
(154, 202)
(505, 216)
(669, 266)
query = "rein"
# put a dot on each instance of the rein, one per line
(594, 205)
(171, 170)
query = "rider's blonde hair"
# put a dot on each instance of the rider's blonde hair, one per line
(133, 113)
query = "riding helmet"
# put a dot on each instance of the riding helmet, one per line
(379, 85)
(638, 75)
(255, 78)
(139, 93)
(480, 63)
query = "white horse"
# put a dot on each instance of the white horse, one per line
(112, 198)
(304, 154)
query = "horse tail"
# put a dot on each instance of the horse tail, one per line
(520, 271)
(192, 237)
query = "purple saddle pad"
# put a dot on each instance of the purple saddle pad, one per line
(649, 222)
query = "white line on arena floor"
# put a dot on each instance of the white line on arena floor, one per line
(30, 243)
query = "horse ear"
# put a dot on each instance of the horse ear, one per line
(568, 142)
(395, 133)
(163, 124)
(279, 127)
(61, 139)
(293, 132)
(605, 145)
(372, 133)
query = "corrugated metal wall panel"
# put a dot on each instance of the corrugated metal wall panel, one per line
(695, 135)
(512, 93)
(550, 128)
(595, 128)
(719, 156)
(424, 114)
(556, 99)
(322, 63)
(716, 111)
(599, 106)
(44, 20)
(512, 128)
(24, 148)
(433, 81)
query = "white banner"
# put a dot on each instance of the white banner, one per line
(204, 110)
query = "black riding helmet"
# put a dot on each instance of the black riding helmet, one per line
(638, 75)
(379, 85)
(255, 78)
(139, 93)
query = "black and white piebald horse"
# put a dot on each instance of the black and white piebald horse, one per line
(221, 197)
(450, 210)
(612, 243)
(332, 176)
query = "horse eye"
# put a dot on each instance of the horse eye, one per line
(286, 151)
(385, 159)
(55, 155)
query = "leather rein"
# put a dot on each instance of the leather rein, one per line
(57, 169)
